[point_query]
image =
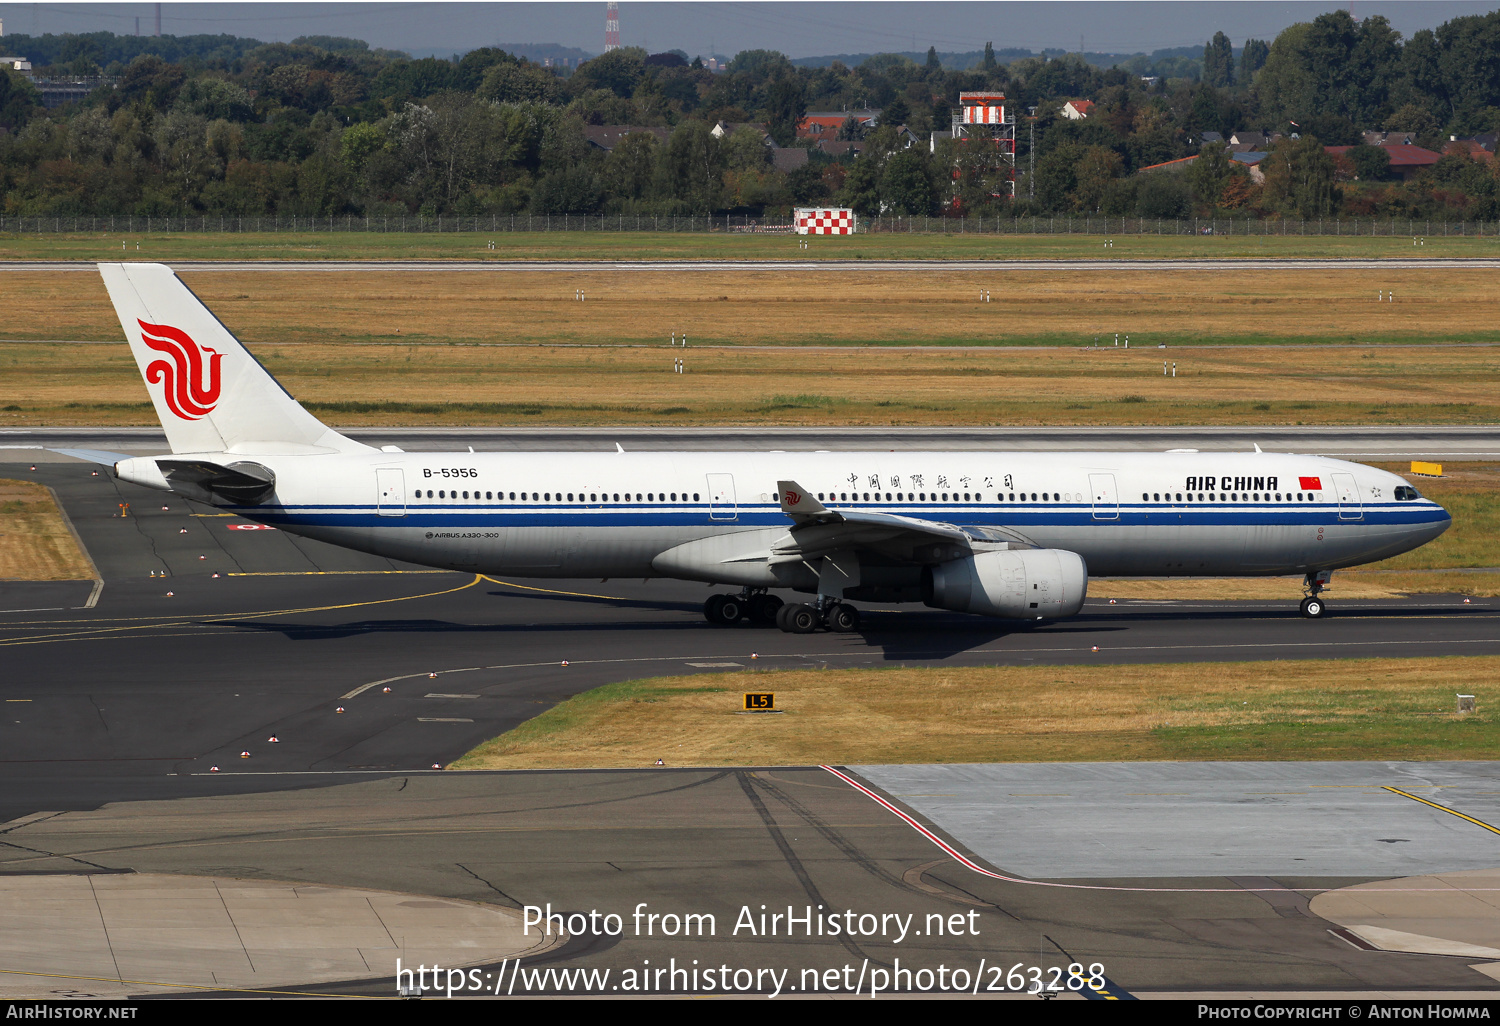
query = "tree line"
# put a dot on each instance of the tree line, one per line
(326, 126)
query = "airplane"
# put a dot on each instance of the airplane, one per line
(1003, 534)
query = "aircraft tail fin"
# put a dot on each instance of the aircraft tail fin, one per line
(210, 393)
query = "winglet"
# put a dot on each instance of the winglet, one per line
(797, 501)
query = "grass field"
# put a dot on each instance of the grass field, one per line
(781, 307)
(719, 245)
(780, 347)
(1325, 709)
(35, 542)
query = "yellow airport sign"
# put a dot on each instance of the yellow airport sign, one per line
(1426, 469)
(760, 701)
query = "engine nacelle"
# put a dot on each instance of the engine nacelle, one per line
(1014, 583)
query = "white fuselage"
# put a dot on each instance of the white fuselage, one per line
(622, 514)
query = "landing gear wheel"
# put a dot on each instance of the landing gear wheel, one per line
(798, 618)
(732, 610)
(712, 607)
(1313, 608)
(843, 618)
(763, 609)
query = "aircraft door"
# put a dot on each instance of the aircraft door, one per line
(721, 499)
(1106, 498)
(1350, 507)
(390, 490)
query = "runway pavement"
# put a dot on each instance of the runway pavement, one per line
(999, 263)
(1416, 441)
(147, 700)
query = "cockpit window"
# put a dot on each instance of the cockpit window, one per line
(1406, 493)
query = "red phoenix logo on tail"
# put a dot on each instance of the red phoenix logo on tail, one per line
(190, 389)
(792, 498)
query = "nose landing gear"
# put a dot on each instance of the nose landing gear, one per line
(1313, 607)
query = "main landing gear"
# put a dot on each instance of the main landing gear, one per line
(764, 609)
(1313, 607)
(803, 618)
(757, 607)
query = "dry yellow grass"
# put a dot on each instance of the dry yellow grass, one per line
(449, 384)
(35, 541)
(426, 347)
(782, 306)
(1328, 709)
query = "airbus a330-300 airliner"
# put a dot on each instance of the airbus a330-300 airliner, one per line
(1002, 534)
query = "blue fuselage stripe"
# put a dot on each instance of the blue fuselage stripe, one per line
(977, 515)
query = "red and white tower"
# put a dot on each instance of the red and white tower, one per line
(611, 26)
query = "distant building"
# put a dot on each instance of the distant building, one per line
(607, 137)
(20, 64)
(1251, 161)
(840, 147)
(787, 159)
(825, 124)
(1485, 141)
(1474, 148)
(1077, 110)
(1252, 142)
(1406, 160)
(723, 129)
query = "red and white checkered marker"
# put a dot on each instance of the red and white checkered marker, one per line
(824, 221)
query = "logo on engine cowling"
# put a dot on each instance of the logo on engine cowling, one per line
(190, 384)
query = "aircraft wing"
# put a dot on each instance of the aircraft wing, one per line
(817, 530)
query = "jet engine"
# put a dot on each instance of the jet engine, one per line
(1013, 583)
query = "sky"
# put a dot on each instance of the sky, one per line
(802, 29)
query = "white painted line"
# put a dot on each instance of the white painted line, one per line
(436, 695)
(442, 719)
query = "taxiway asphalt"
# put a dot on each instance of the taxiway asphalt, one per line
(1413, 441)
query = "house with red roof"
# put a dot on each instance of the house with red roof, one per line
(1077, 110)
(1406, 159)
(825, 124)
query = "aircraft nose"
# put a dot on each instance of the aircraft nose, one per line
(1439, 523)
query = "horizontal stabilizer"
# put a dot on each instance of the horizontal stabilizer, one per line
(108, 459)
(242, 483)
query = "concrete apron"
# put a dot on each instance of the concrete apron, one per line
(1444, 914)
(113, 935)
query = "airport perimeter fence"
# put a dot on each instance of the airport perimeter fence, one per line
(735, 224)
